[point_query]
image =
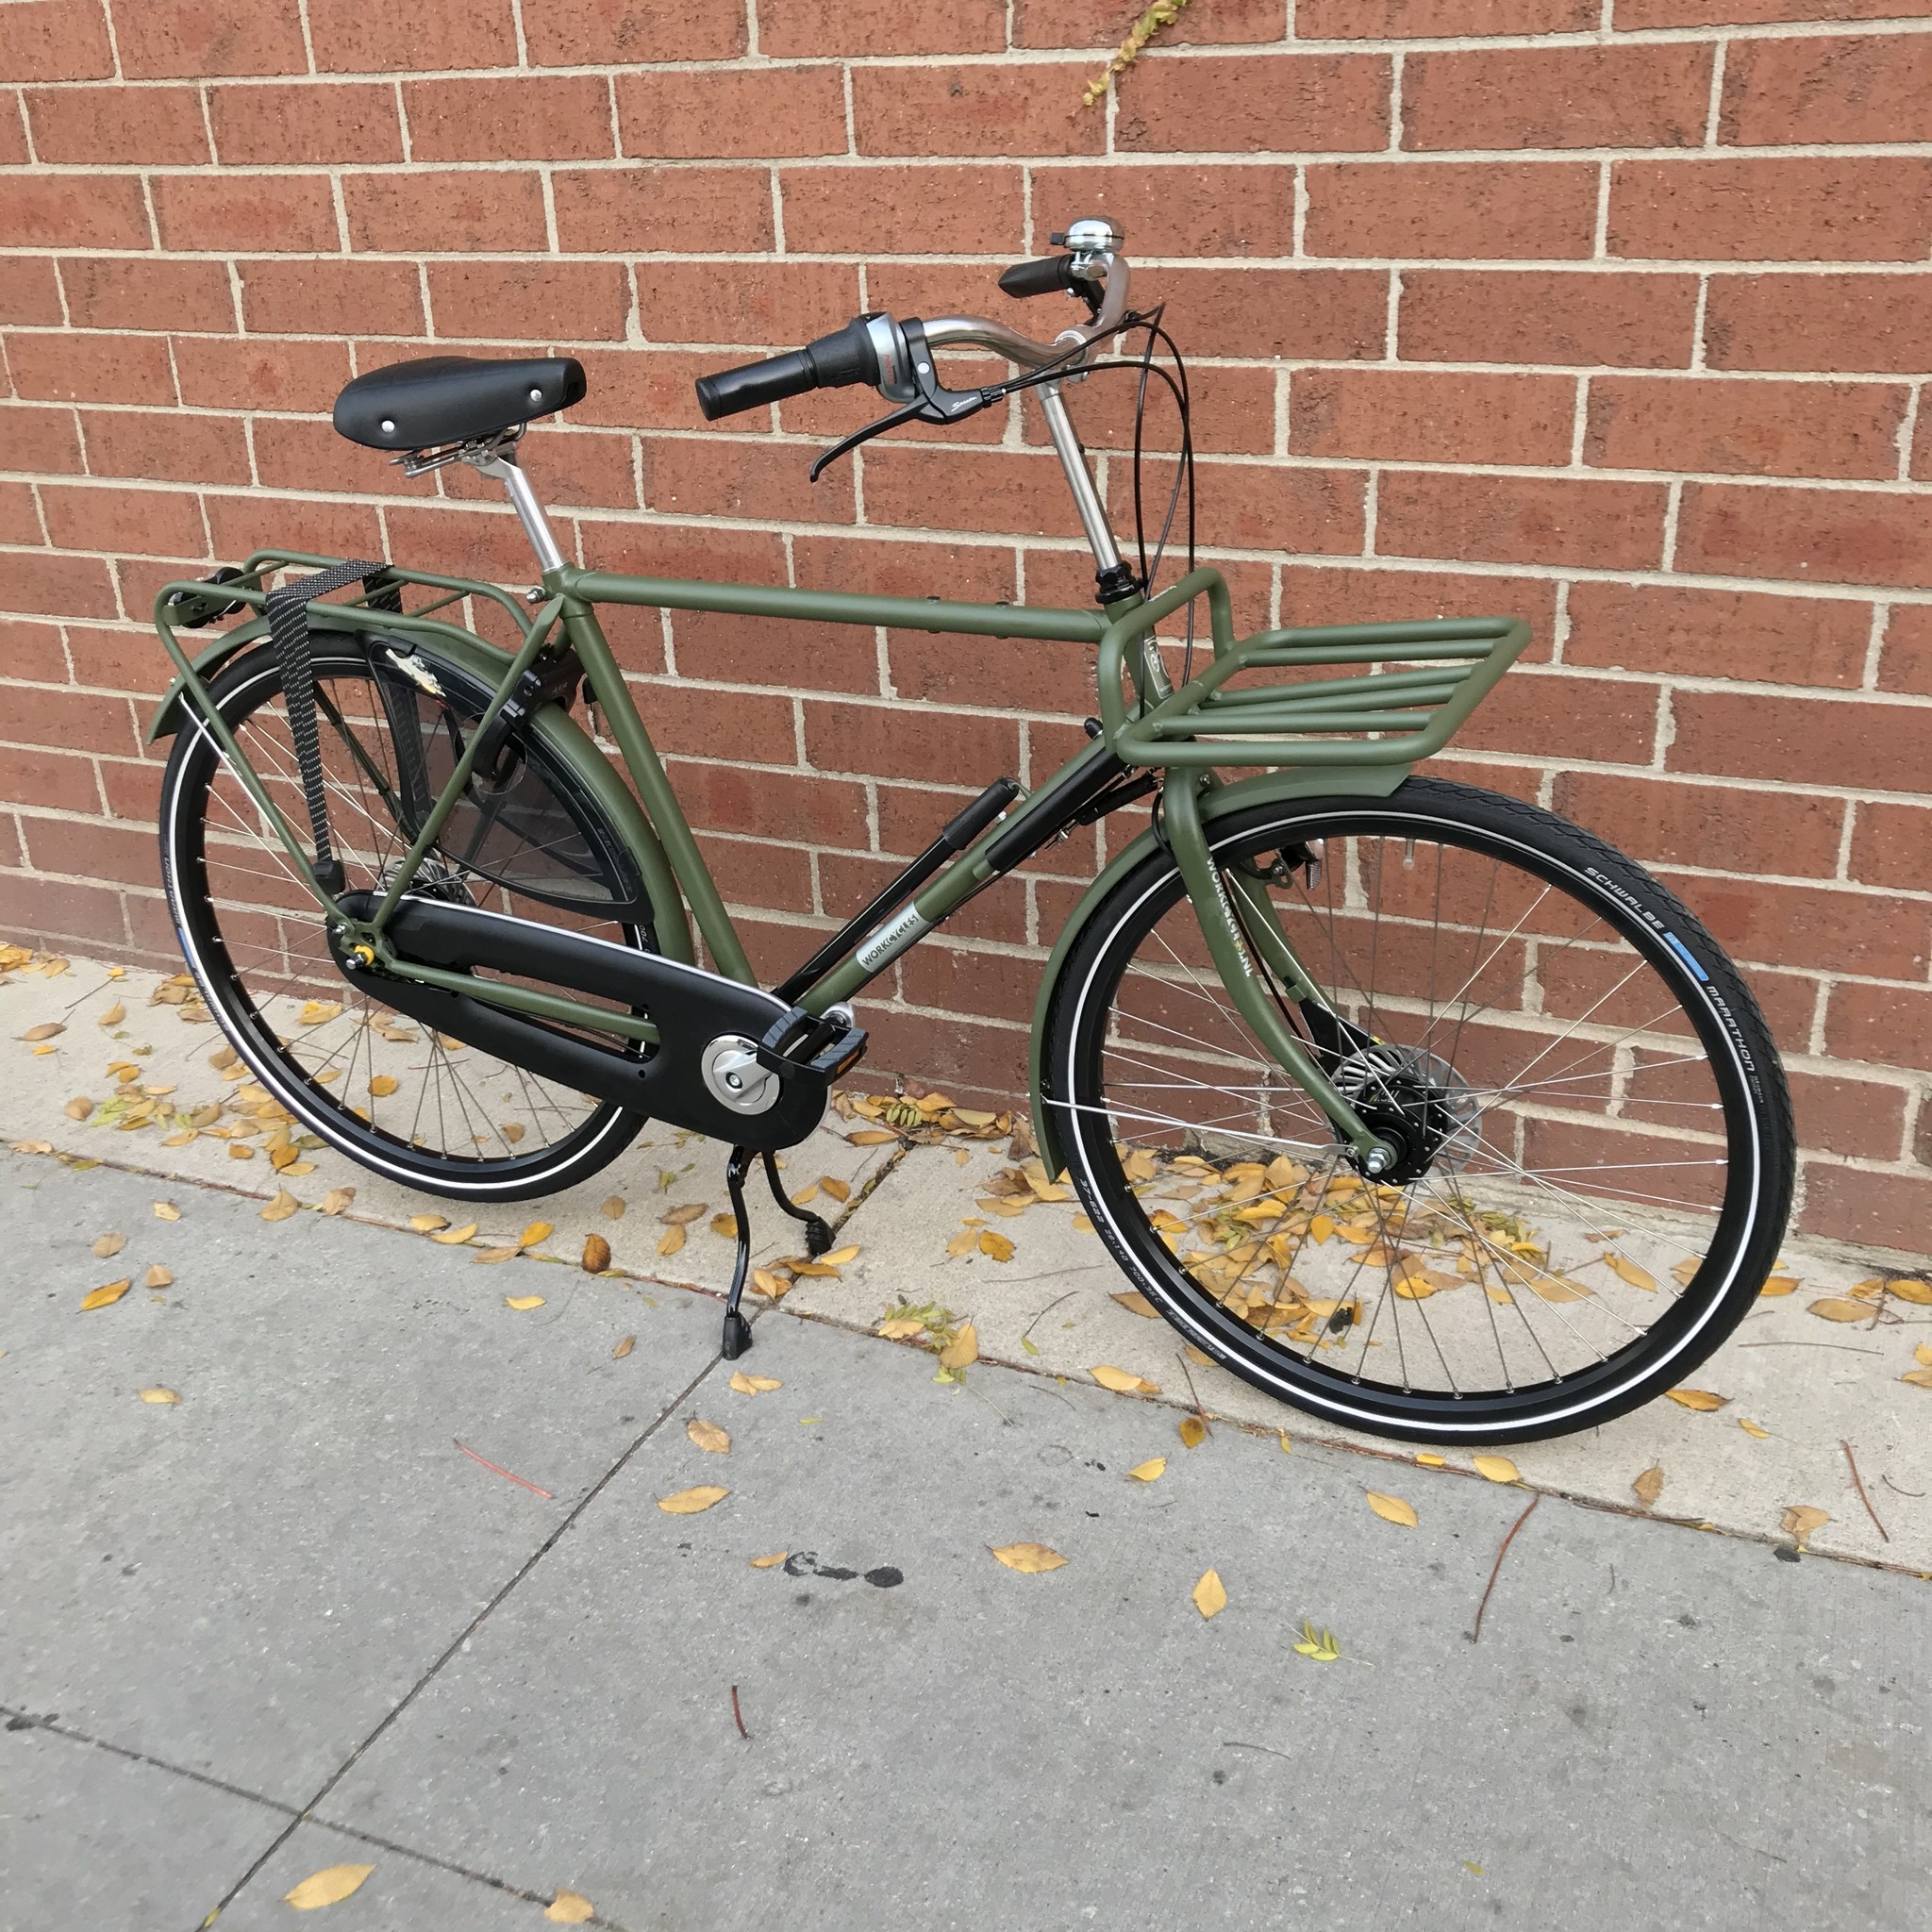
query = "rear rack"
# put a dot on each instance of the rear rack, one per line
(1446, 667)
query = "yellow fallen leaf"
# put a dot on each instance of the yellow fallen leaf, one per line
(328, 1886)
(521, 1302)
(686, 1212)
(963, 1350)
(1319, 1644)
(839, 1256)
(839, 1190)
(429, 1223)
(1150, 1471)
(901, 1327)
(1392, 1509)
(725, 1225)
(382, 1085)
(45, 1030)
(570, 1909)
(537, 1231)
(108, 1245)
(871, 1137)
(770, 1562)
(79, 1108)
(624, 1348)
(1209, 1594)
(160, 1398)
(805, 1194)
(613, 1208)
(1909, 1288)
(1648, 1487)
(336, 1200)
(1919, 1378)
(1922, 1355)
(1193, 1431)
(1199, 1356)
(1030, 1559)
(105, 1298)
(997, 1245)
(1836, 1308)
(1801, 1519)
(1775, 1285)
(1135, 1303)
(963, 1242)
(1699, 1399)
(1082, 1224)
(113, 1016)
(157, 1276)
(281, 1205)
(494, 1256)
(1751, 1429)
(455, 1237)
(1322, 1229)
(690, 1502)
(1287, 1447)
(1121, 1382)
(754, 1385)
(1631, 1272)
(708, 1435)
(596, 1257)
(671, 1240)
(1498, 1468)
(767, 1282)
(1429, 1459)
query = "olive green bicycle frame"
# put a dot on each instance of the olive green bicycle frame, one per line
(1144, 723)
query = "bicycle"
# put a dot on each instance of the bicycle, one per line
(1409, 1103)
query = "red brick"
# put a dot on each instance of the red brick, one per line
(72, 211)
(667, 550)
(352, 37)
(700, 210)
(793, 656)
(1666, 13)
(975, 110)
(43, 910)
(1752, 428)
(40, 440)
(1232, 413)
(757, 304)
(20, 522)
(709, 721)
(539, 302)
(293, 454)
(651, 389)
(116, 291)
(1713, 827)
(1815, 536)
(568, 467)
(147, 522)
(58, 40)
(849, 880)
(1856, 743)
(446, 213)
(94, 851)
(1509, 315)
(715, 114)
(1889, 1210)
(226, 373)
(274, 213)
(1891, 846)
(1020, 673)
(242, 524)
(1454, 209)
(1098, 25)
(716, 476)
(1799, 208)
(1600, 525)
(1856, 1119)
(811, 29)
(1823, 321)
(576, 33)
(882, 567)
(1743, 634)
(1294, 314)
(531, 118)
(461, 542)
(1192, 210)
(1562, 715)
(91, 368)
(1004, 491)
(59, 781)
(1890, 1025)
(304, 123)
(13, 148)
(1340, 593)
(97, 125)
(331, 297)
(1606, 96)
(745, 798)
(994, 986)
(1283, 103)
(979, 211)
(1852, 87)
(975, 1062)
(1904, 662)
(152, 445)
(1256, 506)
(1825, 929)
(1389, 20)
(908, 742)
(30, 292)
(1399, 415)
(160, 38)
(124, 660)
(75, 721)
(32, 651)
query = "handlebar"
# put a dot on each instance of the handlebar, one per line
(872, 348)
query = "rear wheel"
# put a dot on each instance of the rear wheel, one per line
(1596, 1135)
(391, 1093)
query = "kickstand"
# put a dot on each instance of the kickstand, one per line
(818, 1233)
(737, 1329)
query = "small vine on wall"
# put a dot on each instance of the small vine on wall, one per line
(1163, 13)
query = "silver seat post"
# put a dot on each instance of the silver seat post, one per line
(496, 462)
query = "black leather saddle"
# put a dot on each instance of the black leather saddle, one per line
(441, 399)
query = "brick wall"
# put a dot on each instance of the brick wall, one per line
(1613, 313)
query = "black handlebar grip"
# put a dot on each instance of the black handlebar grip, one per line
(834, 361)
(1042, 277)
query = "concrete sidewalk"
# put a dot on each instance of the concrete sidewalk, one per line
(286, 1622)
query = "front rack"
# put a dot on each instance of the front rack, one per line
(1446, 668)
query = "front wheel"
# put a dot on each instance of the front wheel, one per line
(1595, 1133)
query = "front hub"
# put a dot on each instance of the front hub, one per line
(1413, 1101)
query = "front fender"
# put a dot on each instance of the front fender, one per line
(1266, 787)
(563, 737)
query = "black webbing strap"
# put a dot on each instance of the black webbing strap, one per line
(288, 630)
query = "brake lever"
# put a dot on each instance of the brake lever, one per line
(846, 445)
(935, 402)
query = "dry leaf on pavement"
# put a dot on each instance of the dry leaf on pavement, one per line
(671, 1240)
(1030, 1559)
(1751, 1429)
(382, 1085)
(161, 1398)
(690, 1502)
(708, 1435)
(770, 1562)
(1392, 1509)
(1801, 1519)
(597, 1255)
(336, 1200)
(754, 1385)
(570, 1909)
(1209, 1594)
(963, 1350)
(1193, 1431)
(166, 1210)
(537, 1231)
(1703, 1400)
(1122, 1382)
(281, 1205)
(328, 1886)
(109, 1245)
(1834, 1308)
(1135, 1303)
(1631, 1272)
(521, 1302)
(456, 1237)
(1150, 1471)
(995, 1245)
(1910, 1289)
(1648, 1487)
(105, 1298)
(157, 1276)
(624, 1348)
(1498, 1468)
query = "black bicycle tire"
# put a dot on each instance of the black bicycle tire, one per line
(192, 761)
(1720, 1005)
